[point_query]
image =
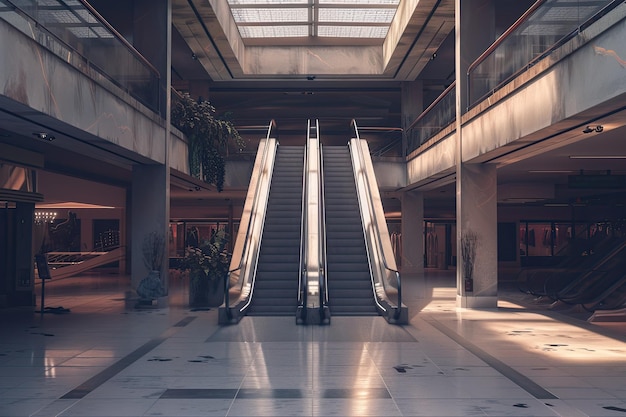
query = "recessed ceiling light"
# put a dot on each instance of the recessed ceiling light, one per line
(597, 157)
(550, 171)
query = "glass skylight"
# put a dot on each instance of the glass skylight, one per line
(359, 19)
(353, 31)
(360, 15)
(270, 15)
(273, 31)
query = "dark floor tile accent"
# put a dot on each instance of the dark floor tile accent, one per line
(185, 321)
(364, 394)
(284, 393)
(253, 393)
(194, 394)
(108, 373)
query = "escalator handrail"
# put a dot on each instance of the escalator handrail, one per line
(581, 278)
(394, 271)
(302, 282)
(322, 214)
(248, 234)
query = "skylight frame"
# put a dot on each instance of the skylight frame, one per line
(325, 19)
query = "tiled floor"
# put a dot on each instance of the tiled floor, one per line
(106, 358)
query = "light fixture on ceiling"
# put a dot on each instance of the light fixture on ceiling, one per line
(550, 171)
(44, 136)
(592, 128)
(597, 157)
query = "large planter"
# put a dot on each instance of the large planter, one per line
(204, 292)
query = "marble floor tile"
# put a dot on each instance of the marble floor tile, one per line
(106, 359)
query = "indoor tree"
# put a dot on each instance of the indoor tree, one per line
(208, 137)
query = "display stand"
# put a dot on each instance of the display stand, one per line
(44, 274)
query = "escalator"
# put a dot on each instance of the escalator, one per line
(349, 276)
(276, 286)
(313, 241)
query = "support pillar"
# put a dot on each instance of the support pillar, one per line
(149, 213)
(476, 184)
(412, 234)
(477, 217)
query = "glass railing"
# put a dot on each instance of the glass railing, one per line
(440, 114)
(544, 27)
(75, 32)
(547, 25)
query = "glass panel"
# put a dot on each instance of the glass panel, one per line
(270, 15)
(441, 114)
(539, 239)
(273, 31)
(17, 178)
(266, 2)
(176, 247)
(549, 26)
(352, 31)
(70, 31)
(361, 2)
(358, 15)
(372, 16)
(563, 239)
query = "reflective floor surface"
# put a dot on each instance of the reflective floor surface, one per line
(104, 357)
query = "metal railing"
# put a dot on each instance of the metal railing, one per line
(544, 27)
(440, 114)
(76, 33)
(247, 245)
(367, 192)
(534, 36)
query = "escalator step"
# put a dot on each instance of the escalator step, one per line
(276, 286)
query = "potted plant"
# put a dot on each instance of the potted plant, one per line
(207, 265)
(208, 138)
(151, 288)
(469, 242)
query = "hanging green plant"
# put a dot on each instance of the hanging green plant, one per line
(208, 138)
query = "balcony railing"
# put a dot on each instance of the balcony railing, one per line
(74, 31)
(547, 25)
(440, 114)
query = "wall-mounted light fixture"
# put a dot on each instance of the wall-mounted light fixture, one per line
(592, 128)
(44, 136)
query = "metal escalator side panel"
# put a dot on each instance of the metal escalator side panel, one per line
(385, 277)
(314, 301)
(248, 242)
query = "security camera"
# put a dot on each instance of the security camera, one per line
(599, 128)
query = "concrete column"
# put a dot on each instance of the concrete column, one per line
(476, 185)
(477, 217)
(149, 213)
(412, 106)
(412, 234)
(475, 31)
